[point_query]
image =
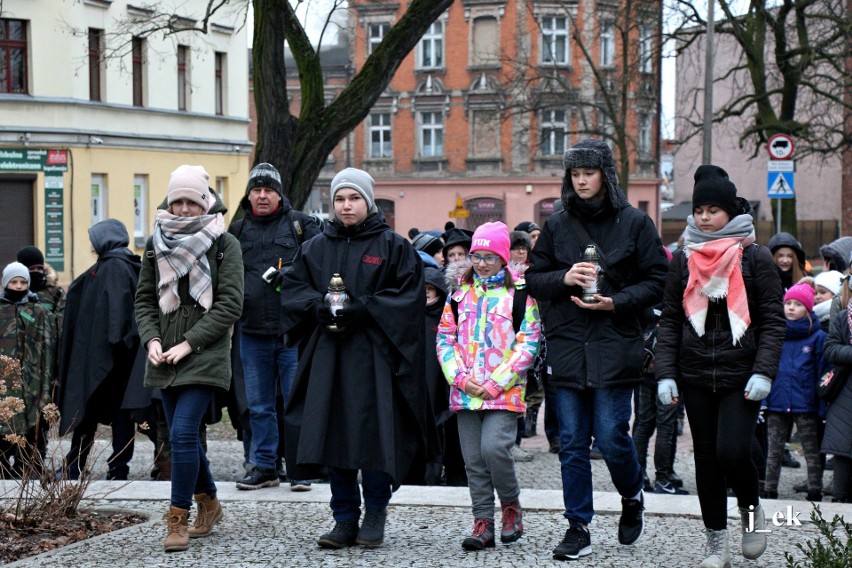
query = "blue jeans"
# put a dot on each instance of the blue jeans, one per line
(346, 496)
(267, 366)
(605, 414)
(185, 407)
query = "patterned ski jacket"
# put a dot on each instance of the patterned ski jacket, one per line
(483, 345)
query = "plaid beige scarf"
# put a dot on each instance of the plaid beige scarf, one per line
(180, 248)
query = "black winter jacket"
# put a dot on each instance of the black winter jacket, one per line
(838, 350)
(268, 241)
(596, 349)
(713, 361)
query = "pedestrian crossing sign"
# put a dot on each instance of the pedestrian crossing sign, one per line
(780, 185)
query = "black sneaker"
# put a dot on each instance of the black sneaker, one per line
(300, 485)
(576, 543)
(343, 534)
(668, 488)
(632, 520)
(259, 478)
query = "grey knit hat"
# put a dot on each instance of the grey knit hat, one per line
(14, 269)
(356, 179)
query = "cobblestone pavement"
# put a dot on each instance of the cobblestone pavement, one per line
(274, 527)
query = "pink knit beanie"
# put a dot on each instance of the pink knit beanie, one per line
(492, 237)
(803, 293)
(190, 182)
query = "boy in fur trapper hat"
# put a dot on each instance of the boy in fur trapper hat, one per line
(630, 281)
(718, 344)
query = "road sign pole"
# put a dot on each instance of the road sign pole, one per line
(778, 216)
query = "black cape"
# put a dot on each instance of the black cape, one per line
(100, 342)
(359, 397)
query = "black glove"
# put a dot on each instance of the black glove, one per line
(323, 314)
(277, 280)
(356, 313)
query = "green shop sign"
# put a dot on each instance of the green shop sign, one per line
(53, 163)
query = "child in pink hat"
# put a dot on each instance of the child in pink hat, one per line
(485, 356)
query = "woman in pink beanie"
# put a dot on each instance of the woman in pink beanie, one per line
(484, 356)
(793, 397)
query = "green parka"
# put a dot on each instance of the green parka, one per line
(209, 334)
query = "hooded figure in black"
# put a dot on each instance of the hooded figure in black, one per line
(359, 398)
(98, 365)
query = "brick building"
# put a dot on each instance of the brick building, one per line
(450, 125)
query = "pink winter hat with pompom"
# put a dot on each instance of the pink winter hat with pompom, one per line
(803, 293)
(492, 237)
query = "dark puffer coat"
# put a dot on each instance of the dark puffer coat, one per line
(713, 361)
(586, 348)
(838, 350)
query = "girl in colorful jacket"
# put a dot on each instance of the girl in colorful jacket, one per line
(485, 361)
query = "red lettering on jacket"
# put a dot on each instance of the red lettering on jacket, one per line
(377, 260)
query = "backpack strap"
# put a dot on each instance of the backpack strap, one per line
(220, 250)
(297, 226)
(519, 308)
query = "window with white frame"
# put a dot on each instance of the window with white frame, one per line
(646, 49)
(99, 198)
(554, 133)
(430, 54)
(380, 135)
(376, 32)
(431, 134)
(607, 41)
(606, 129)
(140, 208)
(554, 39)
(643, 143)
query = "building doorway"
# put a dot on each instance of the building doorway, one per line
(484, 210)
(16, 205)
(544, 209)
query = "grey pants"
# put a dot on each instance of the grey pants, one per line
(486, 439)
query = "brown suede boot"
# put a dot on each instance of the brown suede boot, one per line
(209, 513)
(177, 538)
(165, 473)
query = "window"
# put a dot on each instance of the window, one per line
(644, 142)
(607, 44)
(99, 198)
(486, 42)
(554, 40)
(431, 52)
(182, 77)
(138, 54)
(377, 33)
(484, 134)
(431, 134)
(554, 134)
(140, 209)
(219, 82)
(646, 49)
(380, 135)
(13, 56)
(95, 50)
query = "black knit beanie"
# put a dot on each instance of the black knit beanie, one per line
(713, 187)
(265, 175)
(31, 256)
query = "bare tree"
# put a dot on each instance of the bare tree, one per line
(613, 95)
(788, 75)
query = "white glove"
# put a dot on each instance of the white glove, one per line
(667, 390)
(758, 387)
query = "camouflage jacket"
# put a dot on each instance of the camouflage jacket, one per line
(28, 333)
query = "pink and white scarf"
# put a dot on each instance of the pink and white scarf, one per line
(715, 272)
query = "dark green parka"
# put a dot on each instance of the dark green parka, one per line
(209, 334)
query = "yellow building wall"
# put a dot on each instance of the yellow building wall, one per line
(119, 167)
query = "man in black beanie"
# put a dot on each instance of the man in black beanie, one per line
(43, 283)
(270, 234)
